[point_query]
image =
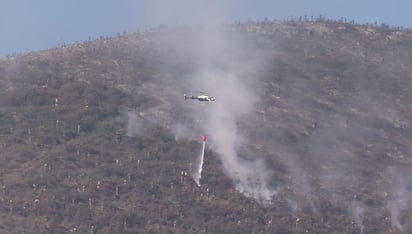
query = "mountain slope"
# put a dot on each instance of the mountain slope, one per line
(309, 132)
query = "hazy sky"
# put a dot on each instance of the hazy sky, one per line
(27, 25)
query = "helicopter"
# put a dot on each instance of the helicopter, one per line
(203, 98)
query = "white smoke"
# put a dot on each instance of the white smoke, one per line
(180, 12)
(219, 120)
(394, 207)
(234, 101)
(136, 125)
(180, 131)
(10, 73)
(217, 59)
(357, 210)
(399, 199)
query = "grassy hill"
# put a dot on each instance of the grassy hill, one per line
(310, 131)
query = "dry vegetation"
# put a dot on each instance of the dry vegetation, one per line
(68, 166)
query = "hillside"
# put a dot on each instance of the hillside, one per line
(310, 131)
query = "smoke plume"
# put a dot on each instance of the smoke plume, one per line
(136, 125)
(357, 210)
(399, 197)
(220, 122)
(326, 128)
(219, 71)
